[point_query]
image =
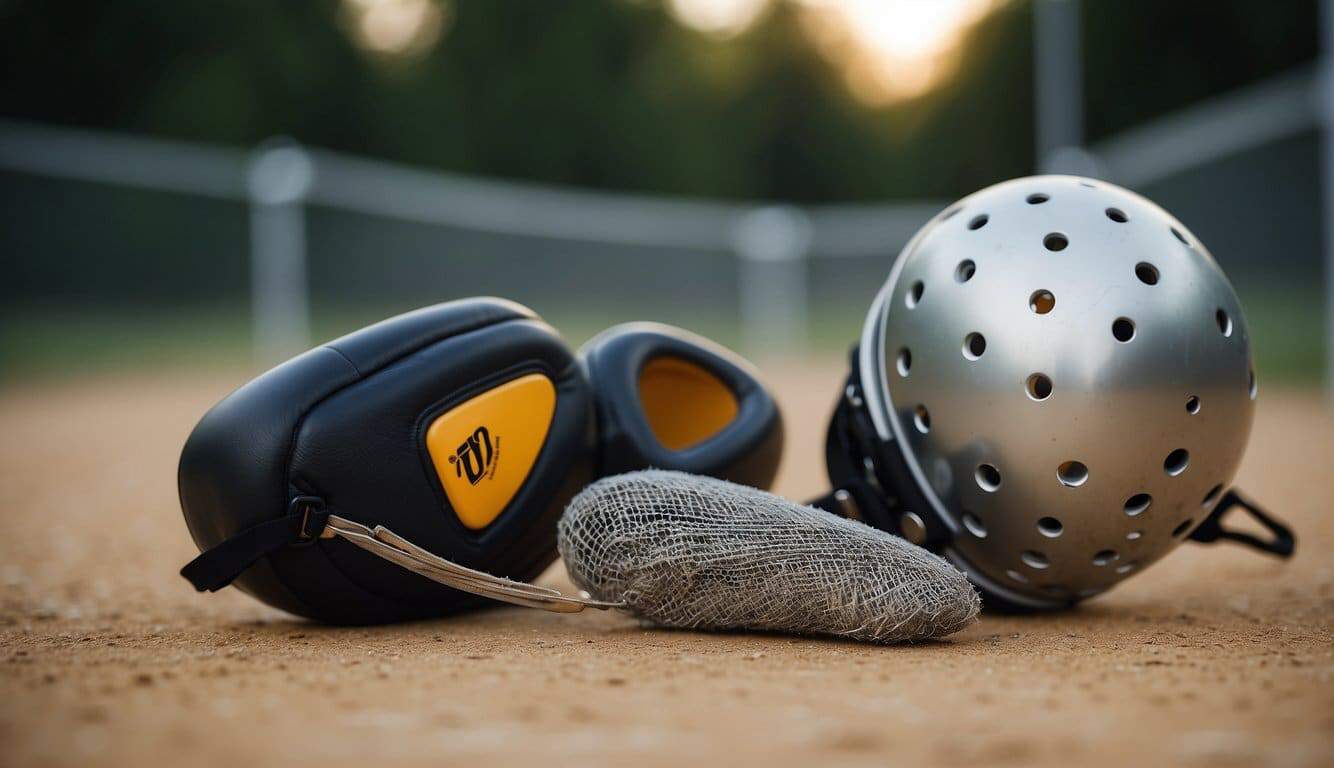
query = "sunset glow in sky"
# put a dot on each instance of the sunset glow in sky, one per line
(887, 50)
(890, 50)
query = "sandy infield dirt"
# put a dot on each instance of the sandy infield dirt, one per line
(1216, 656)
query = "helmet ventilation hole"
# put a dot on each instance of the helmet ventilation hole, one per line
(1125, 568)
(921, 419)
(988, 477)
(1017, 576)
(904, 362)
(1134, 535)
(1055, 241)
(1212, 496)
(1251, 387)
(1138, 503)
(1105, 557)
(1042, 301)
(1224, 322)
(914, 294)
(1147, 273)
(974, 344)
(979, 221)
(974, 525)
(1123, 329)
(1072, 473)
(1050, 527)
(1039, 386)
(1177, 233)
(1037, 198)
(965, 271)
(1176, 462)
(1117, 215)
(1182, 528)
(1192, 405)
(1034, 559)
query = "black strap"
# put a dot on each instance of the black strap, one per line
(863, 468)
(217, 567)
(1283, 543)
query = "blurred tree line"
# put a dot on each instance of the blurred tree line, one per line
(615, 94)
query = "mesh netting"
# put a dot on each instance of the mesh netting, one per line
(688, 551)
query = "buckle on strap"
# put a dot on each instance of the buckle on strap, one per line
(306, 520)
(312, 515)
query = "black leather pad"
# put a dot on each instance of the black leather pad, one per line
(346, 422)
(746, 451)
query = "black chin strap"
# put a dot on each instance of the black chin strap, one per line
(1282, 544)
(217, 567)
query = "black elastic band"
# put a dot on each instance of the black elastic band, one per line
(1283, 543)
(219, 566)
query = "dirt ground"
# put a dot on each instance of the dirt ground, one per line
(107, 657)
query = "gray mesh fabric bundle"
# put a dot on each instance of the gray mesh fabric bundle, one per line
(688, 551)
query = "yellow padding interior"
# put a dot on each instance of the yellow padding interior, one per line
(684, 404)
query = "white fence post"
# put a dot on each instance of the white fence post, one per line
(279, 178)
(1058, 89)
(773, 245)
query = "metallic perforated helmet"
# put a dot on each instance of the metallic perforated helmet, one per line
(1054, 388)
